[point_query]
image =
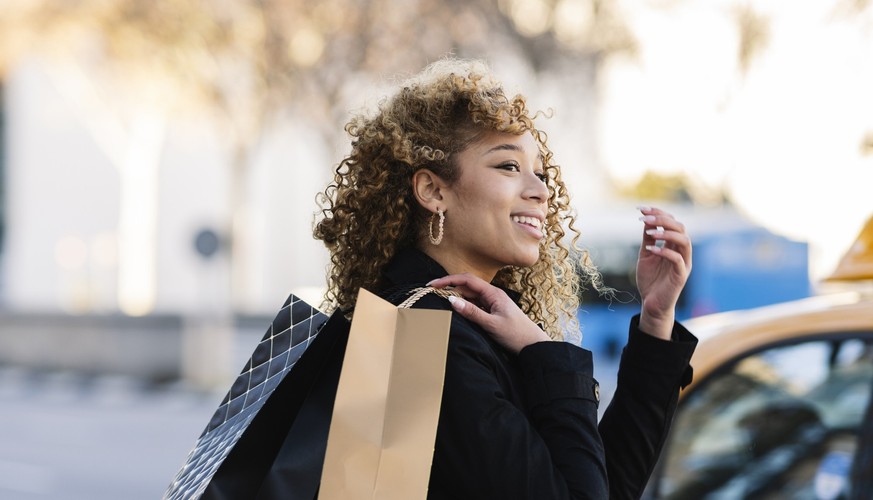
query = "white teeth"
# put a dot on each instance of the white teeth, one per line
(530, 221)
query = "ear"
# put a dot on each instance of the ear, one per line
(429, 189)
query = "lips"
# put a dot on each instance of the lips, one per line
(529, 224)
(529, 221)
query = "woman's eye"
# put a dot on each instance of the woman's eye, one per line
(512, 167)
(542, 176)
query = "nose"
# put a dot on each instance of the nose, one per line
(535, 189)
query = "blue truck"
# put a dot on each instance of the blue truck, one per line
(736, 266)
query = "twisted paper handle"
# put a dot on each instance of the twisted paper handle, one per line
(418, 293)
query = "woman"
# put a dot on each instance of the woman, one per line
(450, 184)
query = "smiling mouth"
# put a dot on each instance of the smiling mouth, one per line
(528, 221)
(532, 225)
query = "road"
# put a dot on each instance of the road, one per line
(73, 437)
(70, 437)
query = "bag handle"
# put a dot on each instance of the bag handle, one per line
(417, 293)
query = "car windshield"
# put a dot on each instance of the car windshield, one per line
(781, 423)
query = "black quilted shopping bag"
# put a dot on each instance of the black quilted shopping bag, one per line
(238, 446)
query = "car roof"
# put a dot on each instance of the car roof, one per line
(725, 336)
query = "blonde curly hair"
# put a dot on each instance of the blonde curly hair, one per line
(369, 211)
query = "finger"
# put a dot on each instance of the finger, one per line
(657, 215)
(681, 243)
(665, 221)
(673, 238)
(471, 287)
(652, 235)
(653, 211)
(471, 312)
(471, 296)
(673, 256)
(678, 242)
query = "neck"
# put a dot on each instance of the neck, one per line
(457, 264)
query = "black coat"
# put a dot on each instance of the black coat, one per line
(526, 427)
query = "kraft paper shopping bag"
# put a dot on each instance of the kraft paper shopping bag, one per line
(383, 429)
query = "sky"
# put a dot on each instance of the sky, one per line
(784, 137)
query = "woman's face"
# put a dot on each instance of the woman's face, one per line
(495, 210)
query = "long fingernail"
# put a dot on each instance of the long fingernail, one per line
(651, 232)
(648, 218)
(430, 282)
(653, 248)
(457, 303)
(643, 208)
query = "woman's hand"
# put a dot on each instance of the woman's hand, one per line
(661, 270)
(493, 310)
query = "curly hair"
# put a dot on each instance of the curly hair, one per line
(426, 124)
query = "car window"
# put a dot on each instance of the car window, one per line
(780, 423)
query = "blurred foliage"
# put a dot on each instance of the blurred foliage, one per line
(672, 188)
(249, 62)
(661, 187)
(867, 144)
(852, 7)
(754, 34)
(249, 59)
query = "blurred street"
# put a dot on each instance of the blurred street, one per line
(72, 437)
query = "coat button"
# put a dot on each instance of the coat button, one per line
(596, 392)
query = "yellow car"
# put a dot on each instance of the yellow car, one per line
(781, 403)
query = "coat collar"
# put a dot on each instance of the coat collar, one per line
(412, 266)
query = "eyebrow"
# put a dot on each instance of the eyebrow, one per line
(504, 147)
(509, 147)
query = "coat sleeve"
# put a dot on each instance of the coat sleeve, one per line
(490, 447)
(635, 425)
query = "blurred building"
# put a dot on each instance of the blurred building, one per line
(117, 219)
(102, 269)
(103, 208)
(104, 205)
(109, 213)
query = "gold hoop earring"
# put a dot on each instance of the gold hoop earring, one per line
(439, 237)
